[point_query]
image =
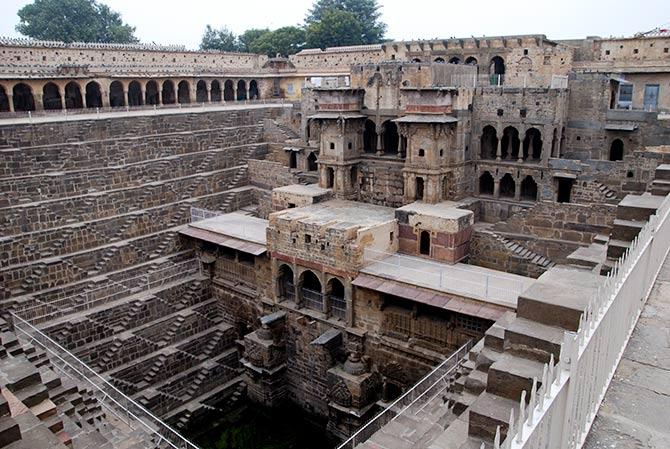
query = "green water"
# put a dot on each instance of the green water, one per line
(254, 427)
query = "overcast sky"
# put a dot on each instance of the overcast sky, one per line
(182, 22)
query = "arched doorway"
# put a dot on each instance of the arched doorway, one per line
(23, 98)
(370, 137)
(285, 285)
(116, 97)
(311, 162)
(134, 94)
(228, 91)
(336, 302)
(424, 243)
(168, 92)
(183, 92)
(489, 142)
(528, 189)
(152, 96)
(310, 291)
(486, 184)
(419, 187)
(507, 186)
(241, 90)
(497, 70)
(532, 144)
(390, 137)
(253, 90)
(616, 150)
(510, 143)
(330, 177)
(73, 99)
(93, 95)
(4, 100)
(215, 91)
(201, 92)
(51, 99)
(454, 60)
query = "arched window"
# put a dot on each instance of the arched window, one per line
(510, 143)
(336, 301)
(330, 178)
(241, 90)
(497, 71)
(532, 144)
(455, 60)
(215, 91)
(471, 60)
(168, 92)
(23, 98)
(486, 184)
(152, 95)
(51, 99)
(616, 150)
(311, 162)
(528, 189)
(310, 291)
(507, 186)
(370, 137)
(390, 137)
(418, 192)
(4, 100)
(116, 98)
(228, 91)
(489, 142)
(286, 287)
(183, 92)
(73, 99)
(424, 244)
(416, 60)
(134, 94)
(93, 95)
(439, 60)
(253, 90)
(201, 92)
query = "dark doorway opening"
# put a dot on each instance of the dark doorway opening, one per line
(292, 159)
(564, 190)
(507, 186)
(528, 189)
(93, 95)
(228, 91)
(424, 244)
(419, 189)
(116, 98)
(201, 92)
(51, 97)
(486, 184)
(215, 92)
(616, 150)
(370, 137)
(311, 162)
(134, 94)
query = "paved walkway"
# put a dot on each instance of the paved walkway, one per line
(78, 114)
(636, 409)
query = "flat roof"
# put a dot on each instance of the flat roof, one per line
(428, 118)
(445, 209)
(338, 214)
(470, 281)
(312, 190)
(233, 230)
(336, 115)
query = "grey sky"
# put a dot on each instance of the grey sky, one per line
(182, 22)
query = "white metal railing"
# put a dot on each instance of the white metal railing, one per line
(47, 310)
(123, 407)
(431, 385)
(65, 113)
(563, 406)
(198, 214)
(448, 277)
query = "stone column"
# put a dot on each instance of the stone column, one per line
(380, 150)
(209, 93)
(496, 187)
(143, 93)
(296, 287)
(126, 98)
(522, 137)
(234, 91)
(39, 102)
(10, 99)
(348, 294)
(61, 92)
(517, 189)
(499, 149)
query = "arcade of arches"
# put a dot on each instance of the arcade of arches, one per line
(510, 147)
(76, 94)
(507, 186)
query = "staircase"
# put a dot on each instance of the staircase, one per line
(522, 252)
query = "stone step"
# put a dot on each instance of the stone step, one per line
(488, 412)
(475, 382)
(660, 187)
(533, 340)
(510, 375)
(617, 248)
(9, 431)
(638, 207)
(626, 230)
(486, 358)
(553, 305)
(662, 172)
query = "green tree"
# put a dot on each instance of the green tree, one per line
(73, 21)
(284, 41)
(247, 38)
(222, 39)
(336, 28)
(365, 11)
